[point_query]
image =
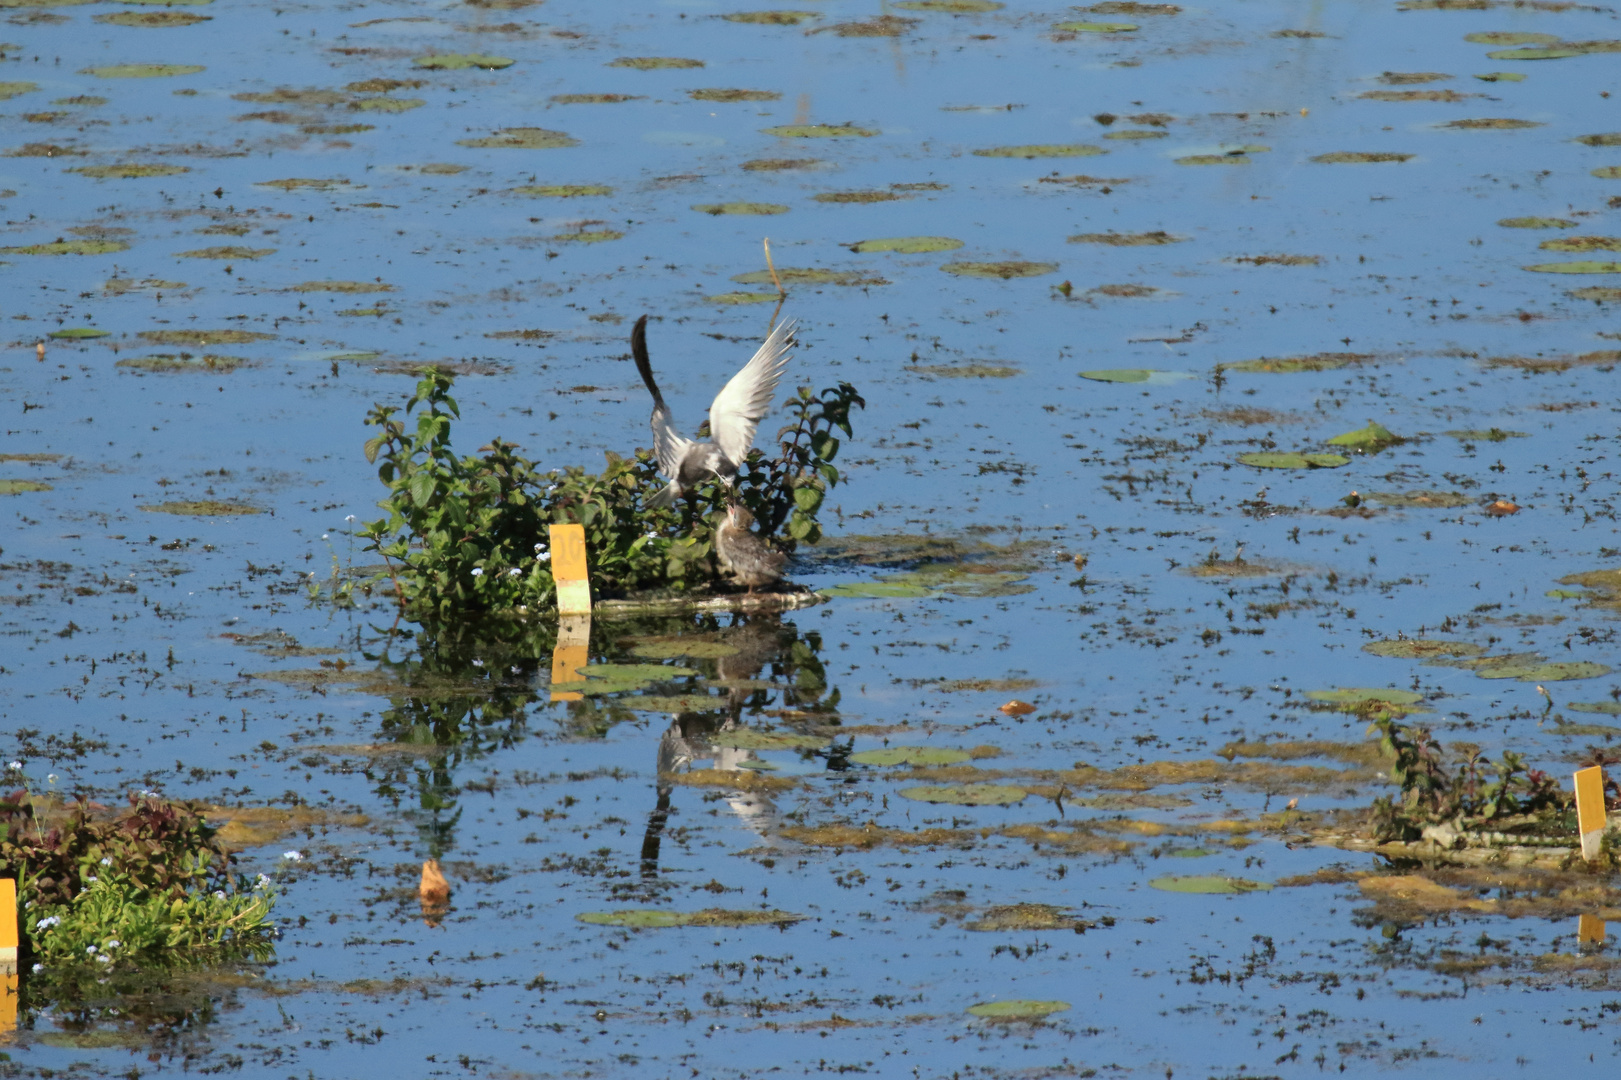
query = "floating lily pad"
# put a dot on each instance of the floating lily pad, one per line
(1096, 27)
(152, 19)
(1487, 435)
(128, 171)
(1421, 500)
(856, 197)
(1005, 271)
(563, 191)
(462, 62)
(79, 333)
(1549, 53)
(1584, 266)
(9, 90)
(911, 755)
(1368, 440)
(19, 487)
(214, 365)
(1271, 459)
(142, 71)
(966, 794)
(1135, 134)
(1028, 917)
(387, 104)
(1422, 648)
(655, 63)
(771, 18)
(1537, 223)
(907, 245)
(1017, 1009)
(727, 96)
(808, 275)
(68, 247)
(203, 337)
(1510, 37)
(226, 252)
(673, 703)
(1566, 594)
(1582, 243)
(522, 138)
(1564, 671)
(658, 918)
(746, 209)
(1237, 157)
(1113, 239)
(1359, 157)
(1501, 76)
(1609, 138)
(1042, 150)
(1364, 699)
(203, 508)
(743, 298)
(951, 7)
(820, 131)
(1136, 375)
(1597, 294)
(1491, 124)
(1608, 708)
(619, 678)
(882, 590)
(588, 236)
(1286, 365)
(748, 739)
(1209, 884)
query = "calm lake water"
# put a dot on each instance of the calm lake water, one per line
(272, 215)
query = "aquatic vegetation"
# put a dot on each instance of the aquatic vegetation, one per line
(465, 533)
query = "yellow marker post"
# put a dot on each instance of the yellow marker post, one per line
(1590, 815)
(568, 570)
(8, 926)
(1589, 930)
(570, 654)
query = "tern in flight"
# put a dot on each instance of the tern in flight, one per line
(733, 416)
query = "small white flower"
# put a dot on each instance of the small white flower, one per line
(351, 517)
(293, 856)
(91, 949)
(219, 894)
(91, 880)
(107, 861)
(652, 536)
(539, 548)
(478, 663)
(113, 944)
(514, 572)
(47, 922)
(103, 959)
(515, 669)
(15, 766)
(544, 556)
(324, 536)
(51, 779)
(264, 881)
(38, 968)
(478, 571)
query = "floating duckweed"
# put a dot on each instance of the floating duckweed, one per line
(820, 131)
(79, 333)
(1368, 440)
(733, 96)
(463, 61)
(203, 508)
(1042, 150)
(68, 247)
(19, 487)
(1422, 648)
(857, 197)
(386, 104)
(911, 755)
(966, 371)
(593, 99)
(966, 794)
(522, 138)
(1537, 223)
(153, 19)
(771, 18)
(655, 63)
(562, 191)
(657, 918)
(142, 71)
(1290, 364)
(9, 90)
(203, 337)
(907, 245)
(1095, 27)
(951, 7)
(1492, 124)
(744, 208)
(1114, 239)
(345, 287)
(1421, 500)
(226, 252)
(1608, 138)
(809, 275)
(1586, 266)
(1209, 884)
(128, 171)
(294, 183)
(182, 363)
(1017, 1009)
(1278, 460)
(1359, 157)
(746, 739)
(1006, 270)
(1510, 37)
(1582, 243)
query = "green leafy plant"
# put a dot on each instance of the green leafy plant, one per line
(147, 886)
(468, 533)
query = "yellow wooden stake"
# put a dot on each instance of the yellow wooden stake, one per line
(570, 654)
(569, 571)
(1590, 815)
(1589, 930)
(8, 926)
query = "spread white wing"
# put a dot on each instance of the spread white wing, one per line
(739, 407)
(668, 445)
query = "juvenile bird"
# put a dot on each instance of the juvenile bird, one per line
(751, 562)
(733, 416)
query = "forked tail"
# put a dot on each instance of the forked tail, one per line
(638, 349)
